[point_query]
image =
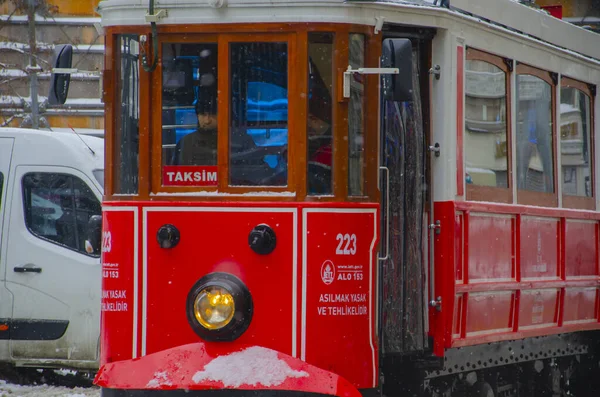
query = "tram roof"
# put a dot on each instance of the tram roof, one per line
(503, 14)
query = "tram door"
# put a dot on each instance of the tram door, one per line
(403, 172)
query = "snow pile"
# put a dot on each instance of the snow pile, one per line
(13, 390)
(160, 379)
(253, 366)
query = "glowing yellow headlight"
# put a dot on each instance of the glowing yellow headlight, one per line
(214, 307)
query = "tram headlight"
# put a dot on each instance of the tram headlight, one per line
(219, 307)
(214, 307)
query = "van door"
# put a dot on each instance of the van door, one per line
(55, 283)
(6, 148)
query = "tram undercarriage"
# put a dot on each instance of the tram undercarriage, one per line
(558, 365)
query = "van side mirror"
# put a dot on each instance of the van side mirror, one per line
(93, 236)
(59, 82)
(397, 53)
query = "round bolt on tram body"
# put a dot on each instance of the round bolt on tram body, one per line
(168, 236)
(262, 239)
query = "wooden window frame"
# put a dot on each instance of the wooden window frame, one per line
(111, 74)
(580, 202)
(494, 193)
(542, 199)
(295, 34)
(223, 104)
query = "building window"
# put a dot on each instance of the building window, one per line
(58, 207)
(487, 128)
(576, 144)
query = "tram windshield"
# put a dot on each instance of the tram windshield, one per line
(256, 103)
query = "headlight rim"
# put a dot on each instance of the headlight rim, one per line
(243, 307)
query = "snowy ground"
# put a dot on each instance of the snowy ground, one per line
(13, 390)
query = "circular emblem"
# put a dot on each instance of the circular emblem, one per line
(328, 272)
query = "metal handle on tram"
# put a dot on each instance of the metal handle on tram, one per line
(434, 228)
(387, 210)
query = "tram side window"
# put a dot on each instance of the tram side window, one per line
(319, 123)
(126, 142)
(58, 207)
(189, 104)
(258, 124)
(575, 142)
(486, 148)
(535, 160)
(356, 132)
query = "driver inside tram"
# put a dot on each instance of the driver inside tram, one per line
(200, 147)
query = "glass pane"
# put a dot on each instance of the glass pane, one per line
(320, 139)
(189, 100)
(535, 161)
(58, 207)
(486, 150)
(85, 205)
(355, 118)
(258, 128)
(46, 196)
(575, 110)
(127, 117)
(1, 187)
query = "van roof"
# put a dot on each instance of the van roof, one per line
(39, 147)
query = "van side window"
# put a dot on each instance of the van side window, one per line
(58, 207)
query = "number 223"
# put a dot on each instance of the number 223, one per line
(346, 244)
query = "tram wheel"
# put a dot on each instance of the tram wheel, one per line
(482, 389)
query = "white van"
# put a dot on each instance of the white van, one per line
(50, 185)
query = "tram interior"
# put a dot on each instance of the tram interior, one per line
(258, 97)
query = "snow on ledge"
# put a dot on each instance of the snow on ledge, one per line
(254, 366)
(160, 379)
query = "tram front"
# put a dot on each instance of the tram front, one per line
(241, 217)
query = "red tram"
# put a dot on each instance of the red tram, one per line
(348, 197)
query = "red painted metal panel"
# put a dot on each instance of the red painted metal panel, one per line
(458, 315)
(340, 285)
(199, 366)
(539, 248)
(509, 209)
(489, 312)
(529, 271)
(441, 321)
(580, 305)
(460, 172)
(118, 306)
(458, 243)
(538, 308)
(339, 335)
(491, 246)
(581, 249)
(217, 241)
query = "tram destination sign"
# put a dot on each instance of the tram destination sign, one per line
(190, 175)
